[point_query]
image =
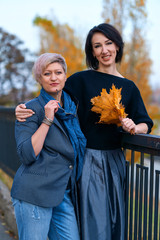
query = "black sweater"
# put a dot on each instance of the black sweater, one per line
(88, 84)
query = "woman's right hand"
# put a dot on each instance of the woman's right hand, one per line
(51, 108)
(22, 112)
(39, 136)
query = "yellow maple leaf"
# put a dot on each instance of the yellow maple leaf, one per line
(109, 106)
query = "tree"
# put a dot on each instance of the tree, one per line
(114, 12)
(15, 69)
(130, 18)
(58, 38)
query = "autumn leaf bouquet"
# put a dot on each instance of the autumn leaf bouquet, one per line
(109, 106)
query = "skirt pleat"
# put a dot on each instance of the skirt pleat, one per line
(102, 195)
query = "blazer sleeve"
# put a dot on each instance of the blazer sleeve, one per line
(23, 134)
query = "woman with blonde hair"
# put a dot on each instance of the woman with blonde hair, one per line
(51, 146)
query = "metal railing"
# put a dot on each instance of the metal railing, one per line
(142, 176)
(142, 186)
(9, 161)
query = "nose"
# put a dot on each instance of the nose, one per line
(53, 77)
(104, 49)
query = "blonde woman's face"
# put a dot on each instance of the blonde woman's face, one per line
(53, 79)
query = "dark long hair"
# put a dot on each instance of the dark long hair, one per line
(111, 33)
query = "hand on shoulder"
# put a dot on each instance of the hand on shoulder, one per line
(22, 112)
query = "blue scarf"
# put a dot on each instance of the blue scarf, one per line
(69, 116)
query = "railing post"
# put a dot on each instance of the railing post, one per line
(156, 205)
(131, 196)
(151, 197)
(126, 200)
(141, 196)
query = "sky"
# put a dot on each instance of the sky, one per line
(16, 17)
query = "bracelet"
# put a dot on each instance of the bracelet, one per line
(47, 122)
(48, 119)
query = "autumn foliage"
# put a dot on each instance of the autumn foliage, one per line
(109, 106)
(60, 38)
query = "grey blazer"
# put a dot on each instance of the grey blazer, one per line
(42, 180)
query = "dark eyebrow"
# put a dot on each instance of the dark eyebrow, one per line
(108, 40)
(105, 41)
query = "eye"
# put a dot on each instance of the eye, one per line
(109, 43)
(97, 46)
(46, 74)
(58, 72)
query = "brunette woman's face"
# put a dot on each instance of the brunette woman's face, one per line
(104, 50)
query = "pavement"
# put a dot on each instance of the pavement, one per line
(8, 228)
(5, 233)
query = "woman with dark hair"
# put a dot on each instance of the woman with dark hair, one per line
(103, 176)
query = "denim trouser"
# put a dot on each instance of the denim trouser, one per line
(36, 223)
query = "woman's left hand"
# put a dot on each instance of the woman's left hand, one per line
(128, 125)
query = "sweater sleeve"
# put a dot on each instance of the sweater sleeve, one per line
(137, 110)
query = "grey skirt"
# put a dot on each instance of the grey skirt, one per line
(102, 195)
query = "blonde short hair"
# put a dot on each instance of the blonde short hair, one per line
(44, 60)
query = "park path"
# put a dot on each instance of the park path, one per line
(7, 219)
(4, 234)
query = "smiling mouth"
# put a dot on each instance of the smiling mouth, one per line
(106, 57)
